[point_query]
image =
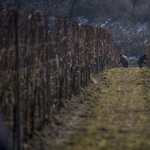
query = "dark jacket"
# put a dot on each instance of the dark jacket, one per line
(142, 58)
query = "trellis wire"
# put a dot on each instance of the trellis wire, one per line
(46, 61)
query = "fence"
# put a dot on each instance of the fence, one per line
(43, 61)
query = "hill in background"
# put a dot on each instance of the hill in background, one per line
(93, 10)
(100, 10)
(129, 29)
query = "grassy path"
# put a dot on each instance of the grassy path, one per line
(120, 118)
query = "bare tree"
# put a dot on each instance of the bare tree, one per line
(134, 3)
(73, 4)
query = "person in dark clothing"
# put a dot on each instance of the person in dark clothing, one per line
(141, 60)
(124, 60)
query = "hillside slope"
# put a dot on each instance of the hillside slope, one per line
(95, 10)
(114, 9)
(129, 29)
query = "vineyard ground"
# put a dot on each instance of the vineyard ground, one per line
(112, 114)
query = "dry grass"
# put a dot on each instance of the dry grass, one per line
(120, 118)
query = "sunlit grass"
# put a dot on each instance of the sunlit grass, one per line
(120, 118)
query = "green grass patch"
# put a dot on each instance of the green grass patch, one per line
(120, 114)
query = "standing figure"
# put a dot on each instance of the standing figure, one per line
(141, 60)
(124, 60)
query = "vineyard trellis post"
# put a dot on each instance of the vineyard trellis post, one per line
(17, 80)
(27, 80)
(47, 68)
(97, 33)
(87, 58)
(79, 67)
(66, 55)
